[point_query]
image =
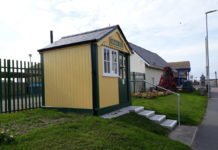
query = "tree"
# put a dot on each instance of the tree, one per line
(167, 80)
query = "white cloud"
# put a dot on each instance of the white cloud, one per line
(173, 29)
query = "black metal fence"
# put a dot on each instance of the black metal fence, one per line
(20, 85)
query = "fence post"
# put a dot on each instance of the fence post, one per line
(9, 85)
(17, 92)
(25, 84)
(21, 84)
(35, 84)
(134, 81)
(13, 83)
(5, 86)
(29, 85)
(32, 95)
(145, 82)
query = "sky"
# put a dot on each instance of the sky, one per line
(173, 29)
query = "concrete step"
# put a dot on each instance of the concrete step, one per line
(115, 114)
(147, 113)
(136, 109)
(170, 124)
(158, 118)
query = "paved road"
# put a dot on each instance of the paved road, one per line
(207, 134)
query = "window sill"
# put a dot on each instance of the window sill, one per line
(110, 75)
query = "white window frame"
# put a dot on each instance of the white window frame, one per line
(111, 74)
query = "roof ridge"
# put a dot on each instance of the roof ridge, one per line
(179, 61)
(89, 31)
(148, 50)
(151, 58)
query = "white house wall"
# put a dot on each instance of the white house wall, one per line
(137, 64)
(152, 76)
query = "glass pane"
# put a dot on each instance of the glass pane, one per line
(115, 68)
(120, 61)
(108, 55)
(114, 56)
(114, 62)
(108, 67)
(124, 62)
(121, 73)
(112, 70)
(115, 59)
(124, 73)
(105, 54)
(105, 67)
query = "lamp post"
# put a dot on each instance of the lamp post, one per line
(31, 88)
(207, 55)
(30, 55)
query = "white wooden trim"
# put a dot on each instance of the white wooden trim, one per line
(111, 61)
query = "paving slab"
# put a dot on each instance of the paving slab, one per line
(184, 134)
(121, 112)
(207, 135)
(115, 114)
(147, 113)
(158, 118)
(169, 123)
(136, 109)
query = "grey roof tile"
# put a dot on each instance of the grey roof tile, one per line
(94, 35)
(153, 59)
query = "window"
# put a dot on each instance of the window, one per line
(114, 62)
(110, 61)
(122, 67)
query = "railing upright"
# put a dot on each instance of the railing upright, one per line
(177, 94)
(9, 84)
(20, 85)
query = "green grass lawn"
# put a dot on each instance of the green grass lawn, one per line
(49, 129)
(193, 106)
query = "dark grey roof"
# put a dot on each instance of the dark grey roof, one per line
(153, 59)
(90, 36)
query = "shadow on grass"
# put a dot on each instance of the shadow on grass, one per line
(143, 123)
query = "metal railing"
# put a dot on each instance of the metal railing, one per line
(20, 85)
(177, 94)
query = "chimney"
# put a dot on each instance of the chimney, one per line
(51, 36)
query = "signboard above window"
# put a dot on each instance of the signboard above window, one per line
(116, 43)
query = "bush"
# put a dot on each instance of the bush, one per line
(187, 86)
(167, 80)
(150, 94)
(160, 93)
(6, 137)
